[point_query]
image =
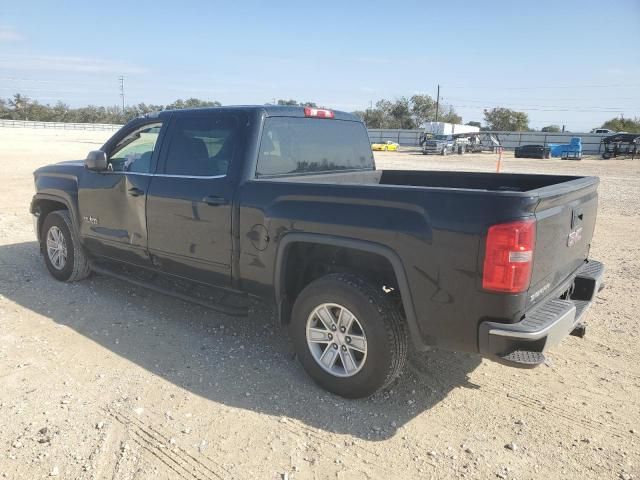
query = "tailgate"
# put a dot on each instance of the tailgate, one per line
(566, 218)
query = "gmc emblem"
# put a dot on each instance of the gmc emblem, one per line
(574, 237)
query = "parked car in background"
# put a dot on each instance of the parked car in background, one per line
(532, 151)
(602, 130)
(439, 144)
(386, 146)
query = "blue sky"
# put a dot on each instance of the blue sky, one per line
(574, 62)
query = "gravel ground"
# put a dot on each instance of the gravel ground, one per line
(104, 380)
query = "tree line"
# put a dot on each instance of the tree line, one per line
(631, 125)
(21, 107)
(407, 113)
(404, 113)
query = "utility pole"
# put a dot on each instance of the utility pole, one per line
(438, 102)
(121, 78)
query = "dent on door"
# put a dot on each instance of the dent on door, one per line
(113, 212)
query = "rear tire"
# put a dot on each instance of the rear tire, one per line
(63, 255)
(381, 331)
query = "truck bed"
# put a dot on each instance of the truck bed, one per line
(437, 221)
(472, 180)
(491, 182)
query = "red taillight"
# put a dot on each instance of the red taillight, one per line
(508, 257)
(318, 112)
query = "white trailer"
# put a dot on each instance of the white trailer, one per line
(442, 128)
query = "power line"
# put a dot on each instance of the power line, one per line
(611, 110)
(37, 80)
(551, 108)
(637, 97)
(541, 87)
(604, 110)
(48, 90)
(536, 105)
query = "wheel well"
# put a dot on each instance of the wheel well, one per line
(306, 262)
(43, 208)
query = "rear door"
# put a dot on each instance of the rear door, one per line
(566, 217)
(189, 205)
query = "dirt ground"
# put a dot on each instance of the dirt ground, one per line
(103, 380)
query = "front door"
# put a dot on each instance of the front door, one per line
(189, 205)
(112, 203)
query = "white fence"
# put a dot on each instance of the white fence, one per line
(58, 125)
(590, 141)
(509, 140)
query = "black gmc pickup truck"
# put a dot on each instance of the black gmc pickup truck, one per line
(285, 203)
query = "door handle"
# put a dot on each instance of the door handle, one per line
(135, 192)
(214, 200)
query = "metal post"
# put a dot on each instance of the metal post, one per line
(121, 78)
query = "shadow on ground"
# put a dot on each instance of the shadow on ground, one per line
(240, 362)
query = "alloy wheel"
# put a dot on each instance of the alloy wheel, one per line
(336, 340)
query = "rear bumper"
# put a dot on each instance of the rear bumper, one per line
(547, 324)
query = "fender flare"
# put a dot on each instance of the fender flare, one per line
(403, 284)
(55, 198)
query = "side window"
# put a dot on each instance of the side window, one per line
(133, 153)
(202, 146)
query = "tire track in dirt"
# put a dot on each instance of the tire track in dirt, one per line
(105, 452)
(607, 352)
(548, 404)
(367, 457)
(521, 393)
(175, 458)
(179, 460)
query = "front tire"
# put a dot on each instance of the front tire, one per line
(348, 336)
(63, 254)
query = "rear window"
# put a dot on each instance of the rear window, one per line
(291, 146)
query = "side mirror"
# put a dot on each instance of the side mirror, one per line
(96, 160)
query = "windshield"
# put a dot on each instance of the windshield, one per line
(441, 137)
(293, 145)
